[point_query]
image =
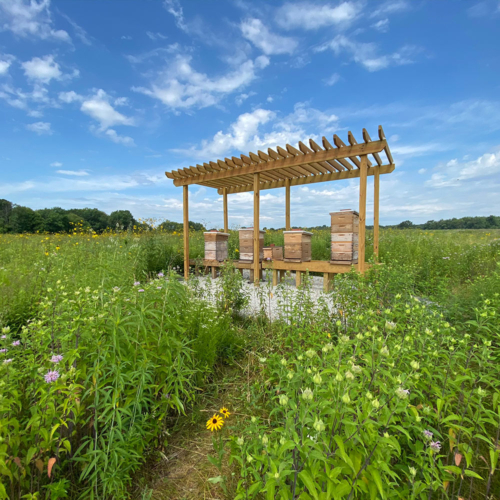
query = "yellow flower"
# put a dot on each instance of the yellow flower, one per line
(58, 248)
(215, 423)
(47, 254)
(237, 250)
(225, 412)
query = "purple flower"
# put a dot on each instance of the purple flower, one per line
(3, 350)
(428, 434)
(140, 290)
(4, 336)
(16, 342)
(137, 283)
(51, 376)
(7, 361)
(435, 446)
(159, 287)
(57, 358)
(160, 275)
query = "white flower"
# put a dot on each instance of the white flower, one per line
(319, 425)
(384, 351)
(262, 360)
(289, 375)
(283, 362)
(310, 353)
(346, 399)
(390, 325)
(317, 379)
(349, 375)
(413, 471)
(300, 358)
(265, 440)
(369, 395)
(240, 441)
(376, 404)
(283, 400)
(344, 338)
(415, 365)
(327, 347)
(402, 393)
(339, 377)
(307, 394)
(356, 368)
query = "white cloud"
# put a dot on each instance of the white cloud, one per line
(156, 36)
(239, 100)
(119, 139)
(181, 86)
(30, 20)
(99, 108)
(390, 7)
(41, 128)
(44, 69)
(311, 16)
(270, 43)
(69, 97)
(126, 37)
(56, 164)
(76, 173)
(422, 171)
(382, 25)
(367, 54)
(332, 79)
(174, 8)
(5, 62)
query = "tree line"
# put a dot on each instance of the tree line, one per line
(489, 222)
(19, 219)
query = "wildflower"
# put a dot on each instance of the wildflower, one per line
(276, 475)
(283, 362)
(360, 336)
(160, 275)
(4, 336)
(158, 287)
(435, 446)
(249, 459)
(240, 441)
(262, 360)
(51, 376)
(413, 471)
(349, 375)
(282, 440)
(384, 351)
(7, 361)
(116, 289)
(56, 359)
(369, 395)
(283, 400)
(289, 375)
(415, 365)
(481, 392)
(356, 368)
(309, 371)
(317, 379)
(225, 412)
(428, 434)
(300, 357)
(319, 426)
(346, 399)
(339, 377)
(137, 283)
(402, 393)
(390, 325)
(376, 404)
(215, 423)
(386, 435)
(265, 440)
(140, 290)
(310, 353)
(5, 329)
(327, 347)
(253, 419)
(16, 342)
(3, 351)
(344, 338)
(307, 394)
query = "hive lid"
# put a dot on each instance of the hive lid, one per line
(344, 211)
(216, 232)
(296, 231)
(250, 229)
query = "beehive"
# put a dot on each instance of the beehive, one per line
(216, 245)
(246, 244)
(273, 253)
(345, 230)
(297, 246)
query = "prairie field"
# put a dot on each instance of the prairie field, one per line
(119, 380)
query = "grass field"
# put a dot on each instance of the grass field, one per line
(108, 362)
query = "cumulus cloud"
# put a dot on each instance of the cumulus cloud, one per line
(119, 139)
(30, 20)
(99, 108)
(311, 15)
(270, 43)
(367, 54)
(332, 79)
(44, 69)
(155, 36)
(180, 86)
(382, 25)
(5, 62)
(40, 128)
(69, 97)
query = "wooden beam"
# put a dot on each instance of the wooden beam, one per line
(381, 135)
(287, 204)
(376, 199)
(226, 220)
(185, 203)
(291, 161)
(367, 138)
(256, 232)
(312, 179)
(362, 214)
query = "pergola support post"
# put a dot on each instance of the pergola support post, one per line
(362, 213)
(376, 201)
(256, 232)
(287, 204)
(185, 207)
(226, 219)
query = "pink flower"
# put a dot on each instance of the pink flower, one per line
(7, 361)
(435, 446)
(3, 350)
(51, 376)
(141, 290)
(16, 342)
(137, 283)
(160, 275)
(4, 336)
(57, 358)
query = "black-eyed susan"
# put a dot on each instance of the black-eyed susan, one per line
(225, 412)
(215, 423)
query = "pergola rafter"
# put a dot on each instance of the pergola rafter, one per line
(291, 166)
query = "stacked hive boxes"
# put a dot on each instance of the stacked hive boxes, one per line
(345, 230)
(273, 252)
(216, 245)
(297, 246)
(246, 244)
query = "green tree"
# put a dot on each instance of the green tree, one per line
(97, 219)
(25, 220)
(5, 211)
(121, 218)
(54, 220)
(407, 224)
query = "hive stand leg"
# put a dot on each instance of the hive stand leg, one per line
(241, 272)
(298, 278)
(251, 275)
(282, 275)
(328, 281)
(275, 277)
(214, 272)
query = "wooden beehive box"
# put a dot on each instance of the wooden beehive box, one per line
(345, 231)
(297, 246)
(273, 253)
(216, 245)
(246, 244)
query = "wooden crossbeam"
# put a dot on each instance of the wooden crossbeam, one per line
(291, 161)
(312, 179)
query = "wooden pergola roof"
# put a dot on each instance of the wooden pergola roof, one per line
(290, 166)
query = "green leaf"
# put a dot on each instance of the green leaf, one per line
(471, 473)
(308, 481)
(378, 481)
(494, 460)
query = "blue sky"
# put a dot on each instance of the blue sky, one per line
(99, 98)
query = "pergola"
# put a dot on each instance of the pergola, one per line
(286, 167)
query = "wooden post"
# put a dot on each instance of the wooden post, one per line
(256, 232)
(376, 199)
(185, 203)
(327, 281)
(226, 220)
(275, 277)
(214, 272)
(287, 204)
(362, 212)
(298, 278)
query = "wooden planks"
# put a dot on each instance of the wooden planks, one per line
(344, 237)
(287, 205)
(246, 247)
(297, 246)
(216, 245)
(185, 211)
(256, 232)
(226, 219)
(362, 212)
(273, 253)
